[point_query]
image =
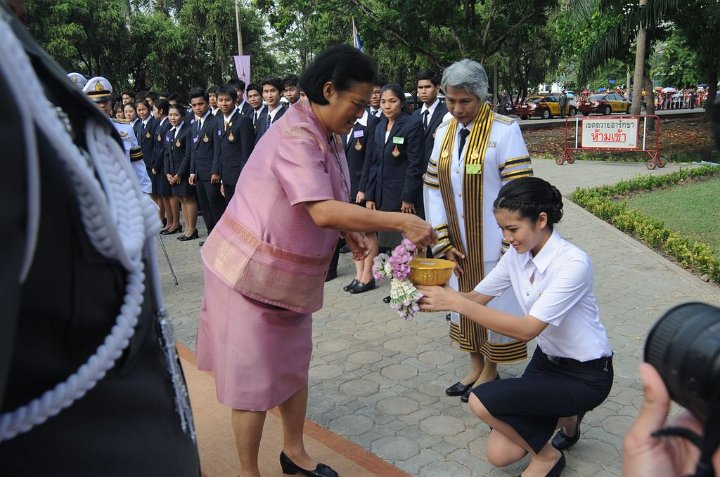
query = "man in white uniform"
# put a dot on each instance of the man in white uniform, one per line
(474, 154)
(99, 90)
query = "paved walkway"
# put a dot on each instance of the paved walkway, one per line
(379, 380)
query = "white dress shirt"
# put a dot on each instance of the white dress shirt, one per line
(554, 286)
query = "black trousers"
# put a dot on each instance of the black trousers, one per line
(229, 192)
(211, 202)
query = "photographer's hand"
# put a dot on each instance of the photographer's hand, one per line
(647, 456)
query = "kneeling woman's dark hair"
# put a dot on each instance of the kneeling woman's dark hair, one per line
(341, 64)
(529, 196)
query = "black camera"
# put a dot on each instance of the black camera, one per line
(684, 347)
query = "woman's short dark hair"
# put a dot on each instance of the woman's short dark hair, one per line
(179, 108)
(132, 105)
(396, 90)
(530, 196)
(144, 103)
(343, 65)
(162, 105)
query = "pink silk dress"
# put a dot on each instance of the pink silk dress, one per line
(258, 339)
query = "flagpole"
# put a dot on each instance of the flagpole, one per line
(237, 25)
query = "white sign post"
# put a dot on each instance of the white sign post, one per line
(610, 133)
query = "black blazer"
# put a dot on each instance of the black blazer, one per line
(202, 151)
(260, 127)
(392, 179)
(146, 139)
(234, 146)
(246, 110)
(177, 152)
(356, 152)
(434, 121)
(159, 148)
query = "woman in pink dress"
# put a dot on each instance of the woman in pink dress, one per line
(266, 260)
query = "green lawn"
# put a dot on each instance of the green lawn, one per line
(692, 209)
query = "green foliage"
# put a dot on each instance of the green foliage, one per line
(601, 201)
(675, 63)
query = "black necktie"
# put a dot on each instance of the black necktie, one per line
(425, 119)
(464, 132)
(268, 121)
(255, 118)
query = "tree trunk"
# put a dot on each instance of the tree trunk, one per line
(639, 66)
(649, 100)
(712, 93)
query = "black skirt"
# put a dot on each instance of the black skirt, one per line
(547, 391)
(162, 185)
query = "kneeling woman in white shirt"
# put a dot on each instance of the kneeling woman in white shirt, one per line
(571, 371)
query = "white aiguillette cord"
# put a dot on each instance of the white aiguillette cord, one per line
(117, 205)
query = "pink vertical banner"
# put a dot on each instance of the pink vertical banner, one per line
(242, 65)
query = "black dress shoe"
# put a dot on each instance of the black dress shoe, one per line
(331, 275)
(466, 395)
(361, 287)
(562, 441)
(185, 238)
(350, 285)
(201, 243)
(289, 467)
(172, 231)
(386, 299)
(458, 389)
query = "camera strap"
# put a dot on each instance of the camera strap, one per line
(707, 444)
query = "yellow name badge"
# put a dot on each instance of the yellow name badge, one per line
(473, 168)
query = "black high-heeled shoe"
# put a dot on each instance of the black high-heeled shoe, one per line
(350, 285)
(185, 238)
(289, 467)
(172, 231)
(562, 441)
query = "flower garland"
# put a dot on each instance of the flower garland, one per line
(404, 297)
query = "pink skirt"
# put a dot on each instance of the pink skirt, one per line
(260, 353)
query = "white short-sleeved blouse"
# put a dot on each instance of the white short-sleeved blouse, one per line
(559, 294)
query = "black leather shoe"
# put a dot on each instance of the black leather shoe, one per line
(172, 231)
(562, 441)
(361, 287)
(331, 275)
(289, 467)
(458, 389)
(185, 238)
(350, 285)
(201, 243)
(386, 299)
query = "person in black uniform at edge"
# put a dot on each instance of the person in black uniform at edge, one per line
(356, 144)
(65, 276)
(234, 140)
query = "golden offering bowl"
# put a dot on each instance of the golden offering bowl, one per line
(431, 271)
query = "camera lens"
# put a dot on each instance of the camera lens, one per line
(684, 347)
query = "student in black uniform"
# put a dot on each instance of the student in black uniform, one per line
(77, 275)
(271, 91)
(177, 169)
(145, 132)
(571, 371)
(357, 144)
(395, 172)
(433, 111)
(212, 99)
(243, 106)
(291, 92)
(204, 165)
(162, 187)
(234, 141)
(254, 98)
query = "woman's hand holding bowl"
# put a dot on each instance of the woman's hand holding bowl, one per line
(437, 298)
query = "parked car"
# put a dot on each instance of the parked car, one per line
(545, 107)
(604, 104)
